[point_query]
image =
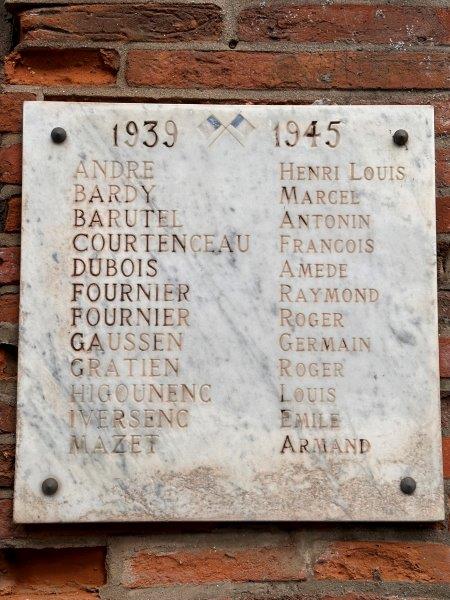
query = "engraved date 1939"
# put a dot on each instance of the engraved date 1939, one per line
(148, 133)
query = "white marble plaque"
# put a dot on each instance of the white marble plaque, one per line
(228, 313)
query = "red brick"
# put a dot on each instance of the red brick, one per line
(444, 356)
(11, 111)
(11, 164)
(7, 527)
(445, 410)
(443, 263)
(59, 573)
(446, 456)
(9, 265)
(358, 596)
(441, 115)
(7, 418)
(151, 22)
(443, 215)
(147, 568)
(55, 595)
(444, 305)
(388, 561)
(9, 308)
(13, 215)
(353, 23)
(6, 464)
(41, 66)
(8, 364)
(301, 70)
(443, 166)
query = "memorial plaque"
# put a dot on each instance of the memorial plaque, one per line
(228, 313)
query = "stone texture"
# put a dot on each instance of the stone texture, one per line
(150, 22)
(232, 455)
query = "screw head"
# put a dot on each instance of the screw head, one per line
(400, 137)
(58, 135)
(49, 486)
(408, 485)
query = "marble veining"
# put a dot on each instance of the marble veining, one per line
(228, 313)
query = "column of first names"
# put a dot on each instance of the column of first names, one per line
(325, 232)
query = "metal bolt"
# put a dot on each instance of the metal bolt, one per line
(400, 137)
(408, 485)
(49, 486)
(58, 135)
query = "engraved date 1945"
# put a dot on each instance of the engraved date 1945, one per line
(290, 133)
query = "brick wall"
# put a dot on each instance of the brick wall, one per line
(252, 51)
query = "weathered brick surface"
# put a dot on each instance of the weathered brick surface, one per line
(445, 413)
(13, 215)
(6, 464)
(301, 70)
(46, 572)
(152, 22)
(11, 111)
(386, 561)
(11, 164)
(352, 22)
(9, 265)
(7, 418)
(444, 356)
(9, 308)
(149, 568)
(40, 66)
(357, 596)
(444, 306)
(385, 52)
(443, 265)
(441, 115)
(7, 528)
(8, 365)
(446, 456)
(443, 215)
(55, 595)
(443, 167)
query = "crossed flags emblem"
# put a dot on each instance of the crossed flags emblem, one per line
(239, 128)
